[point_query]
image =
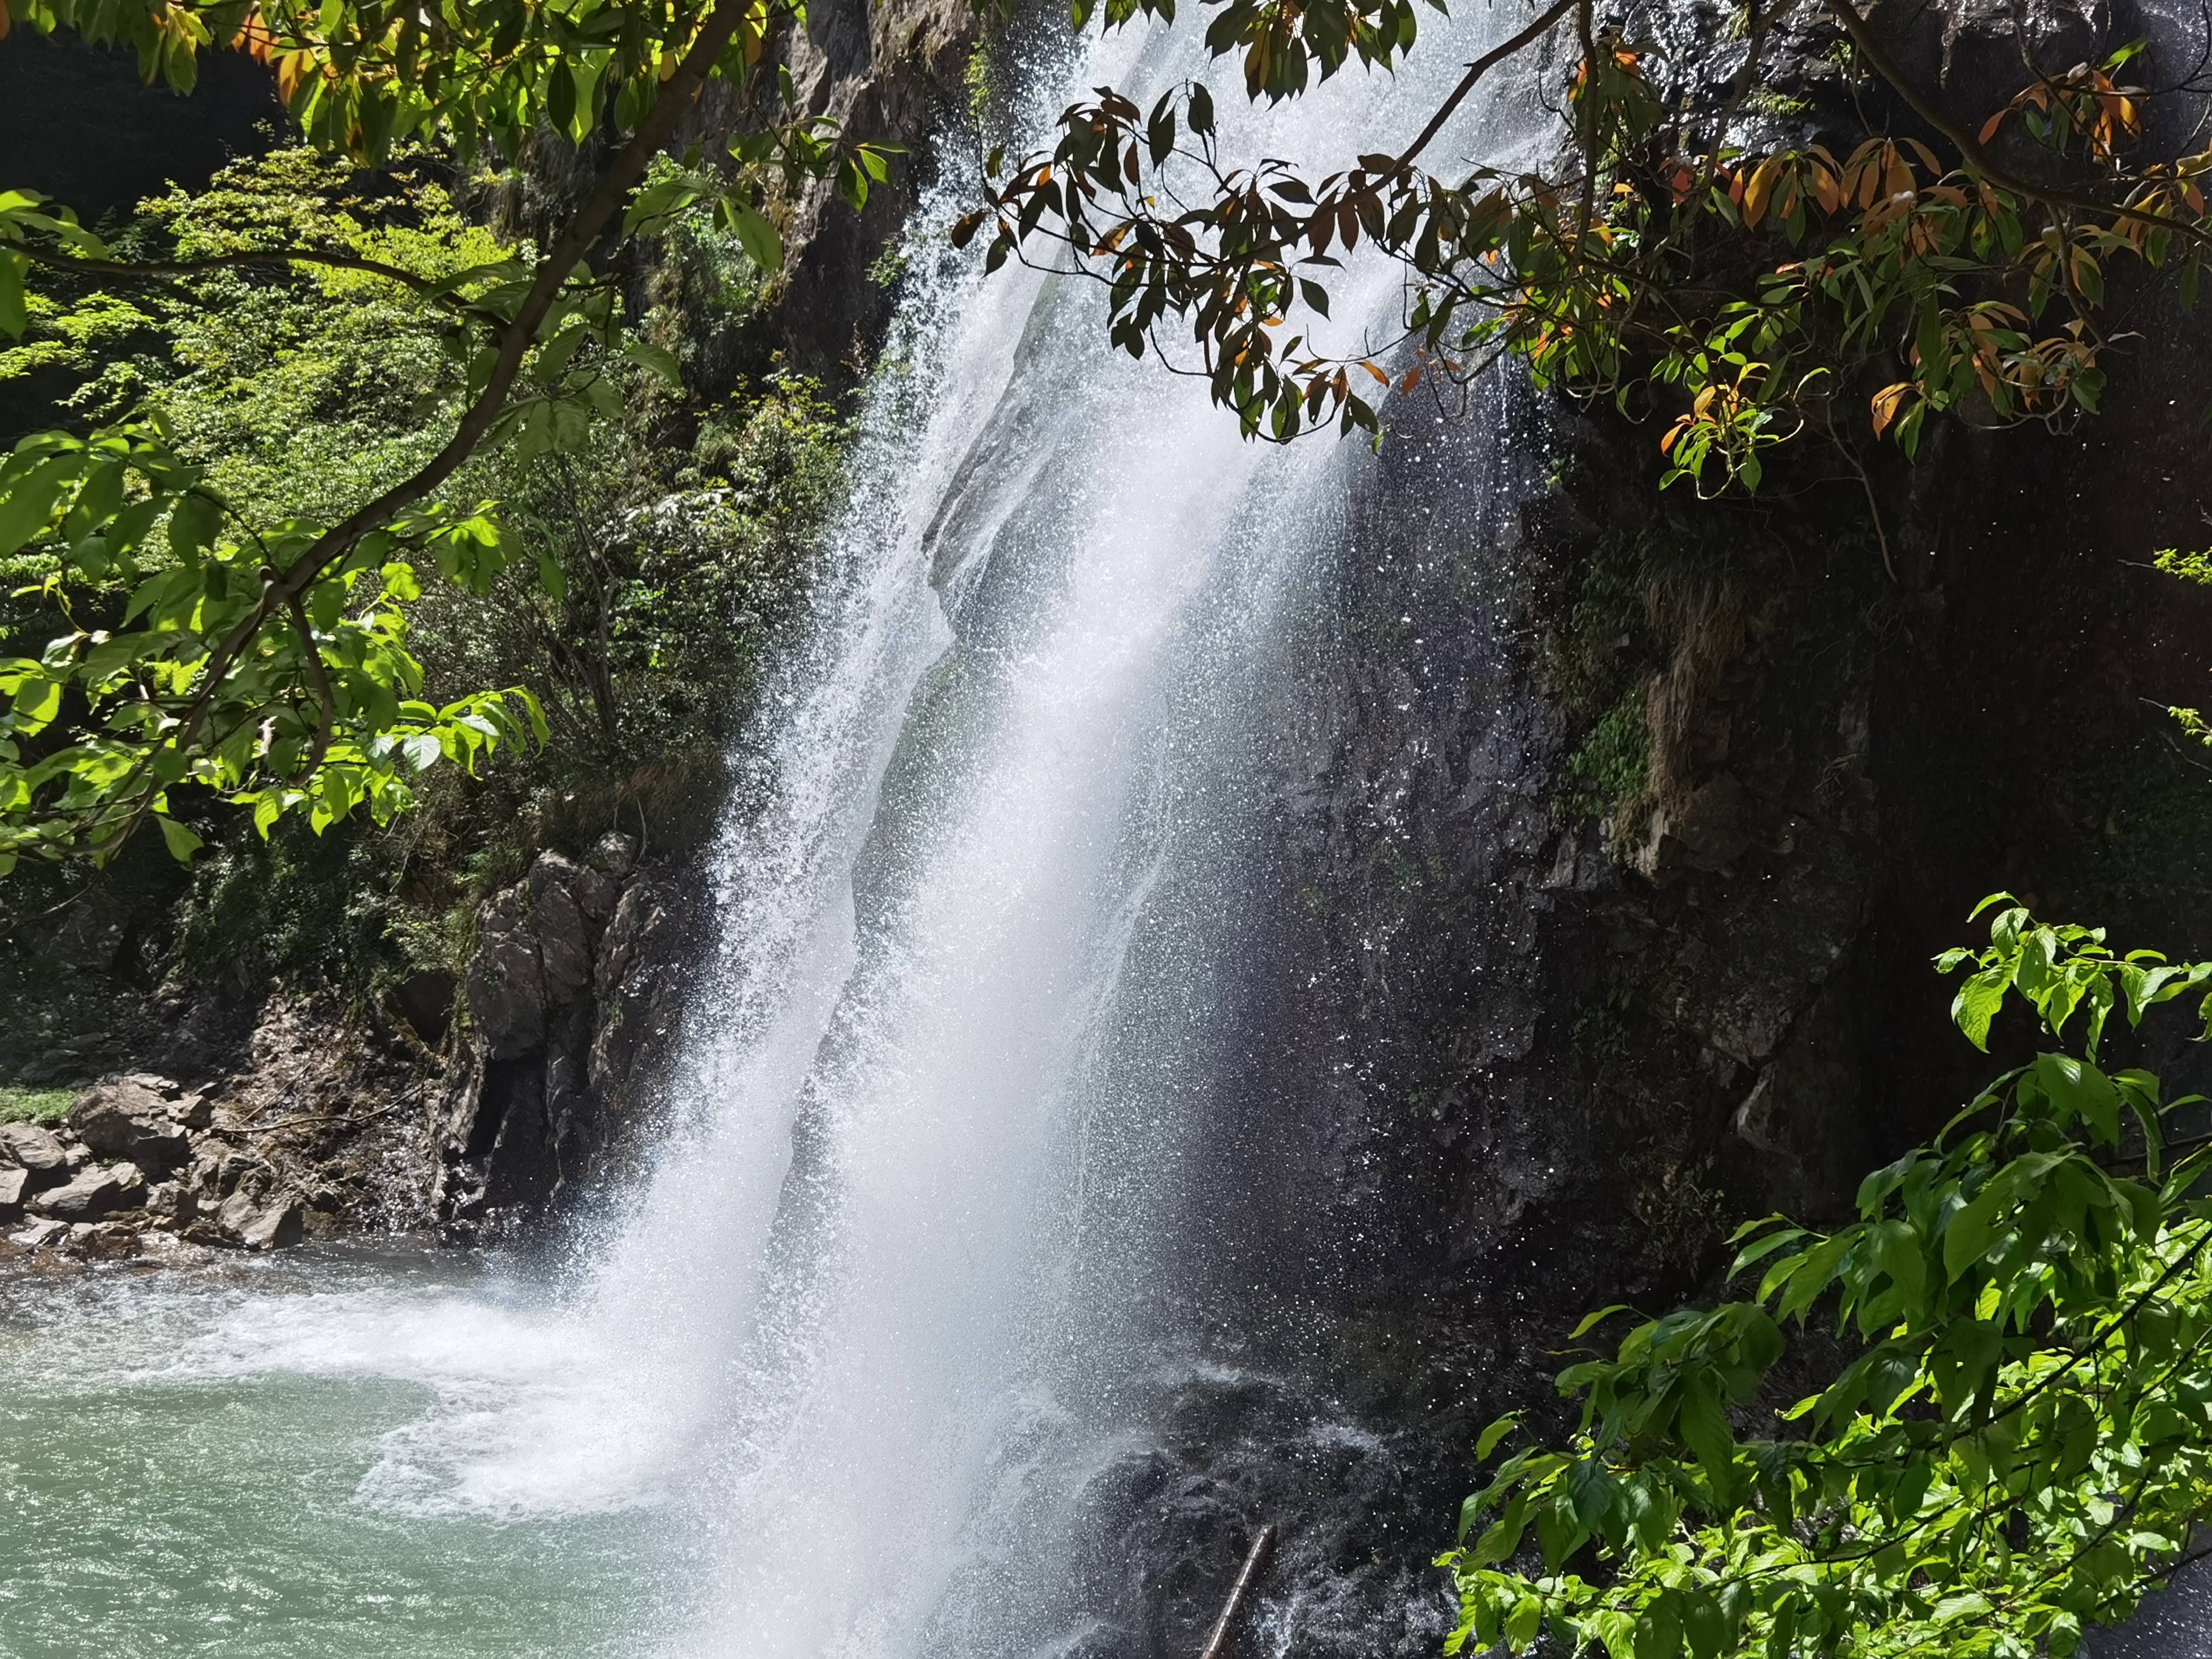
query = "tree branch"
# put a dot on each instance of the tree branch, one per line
(322, 679)
(1475, 71)
(428, 288)
(1976, 157)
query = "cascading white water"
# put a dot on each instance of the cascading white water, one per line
(917, 974)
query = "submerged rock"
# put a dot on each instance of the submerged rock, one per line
(102, 1241)
(40, 1235)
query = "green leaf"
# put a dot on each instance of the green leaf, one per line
(193, 525)
(1487, 1442)
(37, 700)
(646, 355)
(182, 842)
(1523, 1623)
(1967, 1240)
(14, 317)
(759, 238)
(1597, 1318)
(2079, 1091)
(1659, 1632)
(27, 500)
(1704, 1427)
(1976, 1004)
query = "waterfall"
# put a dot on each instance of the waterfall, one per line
(910, 1213)
(906, 1269)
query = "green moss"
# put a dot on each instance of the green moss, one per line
(1610, 766)
(1764, 101)
(1596, 661)
(19, 1104)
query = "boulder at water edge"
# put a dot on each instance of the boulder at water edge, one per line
(97, 1190)
(279, 1227)
(41, 1234)
(38, 1153)
(127, 1118)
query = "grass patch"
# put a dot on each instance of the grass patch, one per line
(20, 1105)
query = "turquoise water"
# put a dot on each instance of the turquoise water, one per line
(336, 1453)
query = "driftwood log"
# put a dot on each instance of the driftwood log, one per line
(1217, 1641)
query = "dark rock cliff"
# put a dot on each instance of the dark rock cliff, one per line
(576, 993)
(1525, 1032)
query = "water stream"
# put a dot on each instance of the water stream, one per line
(845, 1374)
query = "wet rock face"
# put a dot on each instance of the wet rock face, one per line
(1499, 1061)
(574, 994)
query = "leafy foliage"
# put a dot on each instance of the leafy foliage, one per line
(261, 656)
(1660, 260)
(643, 577)
(2021, 1443)
(2195, 569)
(141, 538)
(20, 1105)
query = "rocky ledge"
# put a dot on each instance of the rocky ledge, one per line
(141, 1165)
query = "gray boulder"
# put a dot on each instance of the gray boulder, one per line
(172, 1204)
(238, 1211)
(564, 942)
(95, 1191)
(194, 1111)
(42, 1234)
(614, 855)
(102, 1241)
(14, 1188)
(278, 1227)
(507, 984)
(124, 1118)
(277, 1224)
(38, 1153)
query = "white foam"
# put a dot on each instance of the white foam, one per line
(532, 1414)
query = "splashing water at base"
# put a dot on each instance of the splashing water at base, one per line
(327, 1454)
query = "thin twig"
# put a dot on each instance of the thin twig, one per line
(314, 652)
(283, 1124)
(1218, 1639)
(429, 288)
(1468, 81)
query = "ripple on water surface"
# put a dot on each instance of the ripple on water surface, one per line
(337, 1452)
